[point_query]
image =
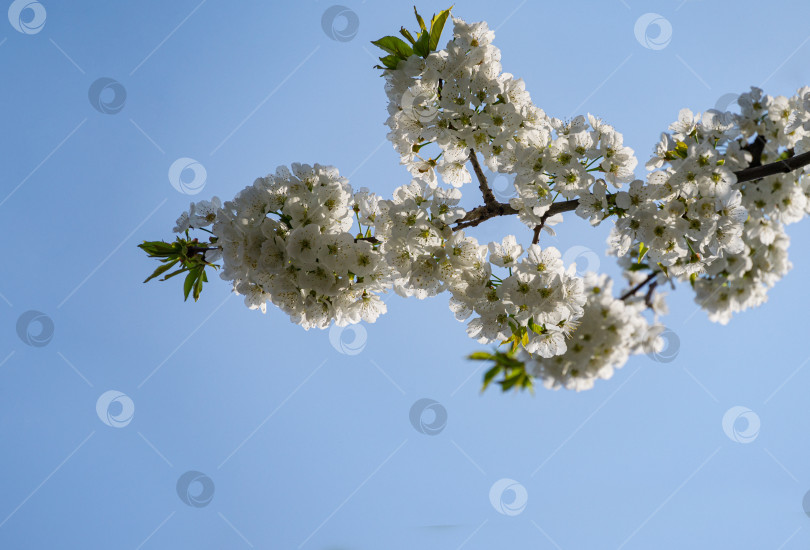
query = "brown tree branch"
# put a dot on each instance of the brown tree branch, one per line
(779, 167)
(537, 230)
(556, 208)
(486, 192)
(482, 213)
(755, 148)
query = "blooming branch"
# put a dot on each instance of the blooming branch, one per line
(711, 214)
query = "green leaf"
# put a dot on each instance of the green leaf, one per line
(508, 362)
(638, 267)
(535, 327)
(681, 150)
(188, 284)
(513, 378)
(507, 385)
(157, 248)
(422, 46)
(198, 284)
(642, 251)
(419, 19)
(490, 375)
(436, 27)
(162, 269)
(390, 61)
(480, 356)
(510, 339)
(173, 273)
(395, 46)
(407, 34)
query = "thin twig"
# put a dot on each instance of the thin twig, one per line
(537, 229)
(638, 287)
(648, 297)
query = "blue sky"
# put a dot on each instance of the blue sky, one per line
(300, 441)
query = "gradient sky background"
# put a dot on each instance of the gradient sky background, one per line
(307, 442)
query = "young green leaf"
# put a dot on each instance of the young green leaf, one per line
(395, 46)
(407, 34)
(198, 284)
(436, 27)
(188, 284)
(490, 376)
(511, 379)
(390, 61)
(422, 46)
(642, 251)
(419, 19)
(535, 327)
(162, 269)
(681, 150)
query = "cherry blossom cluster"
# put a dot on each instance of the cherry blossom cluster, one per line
(539, 303)
(566, 163)
(780, 127)
(689, 212)
(417, 241)
(458, 99)
(740, 281)
(609, 331)
(285, 239)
